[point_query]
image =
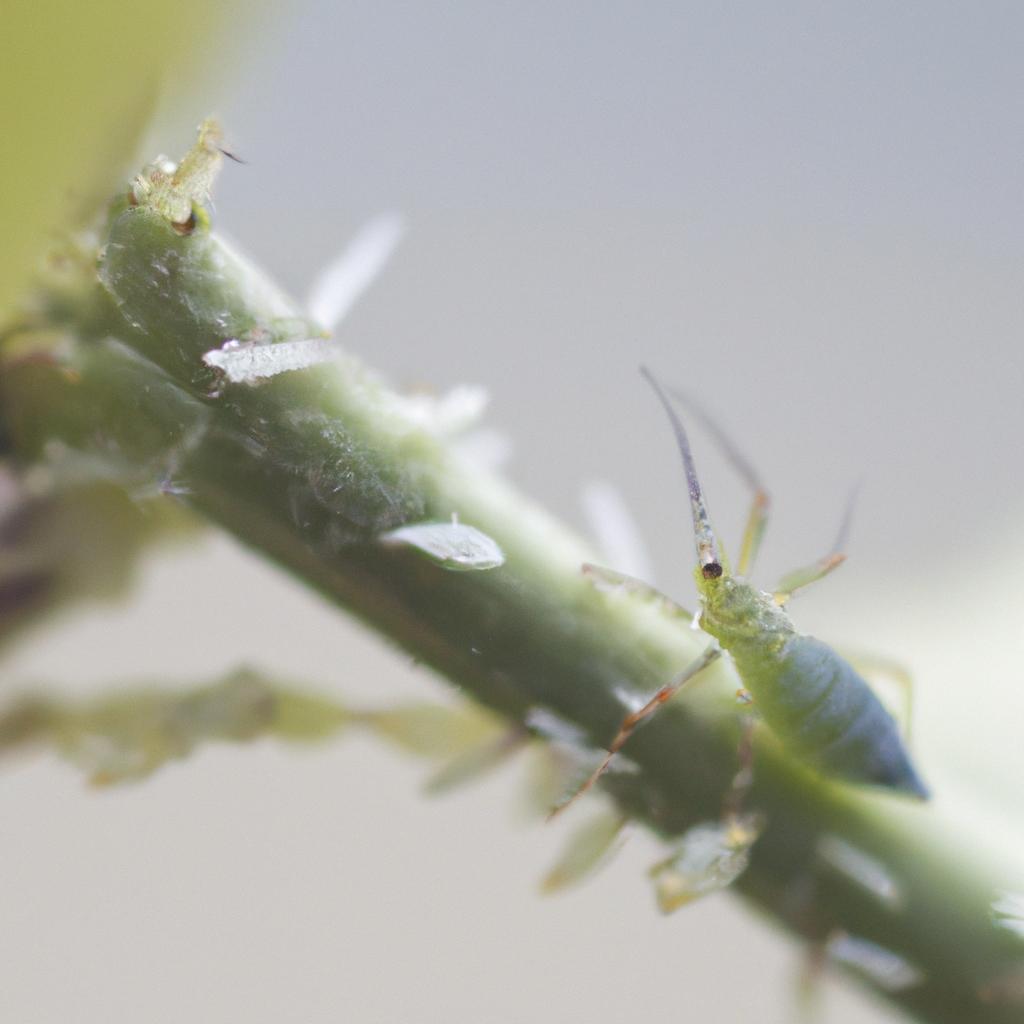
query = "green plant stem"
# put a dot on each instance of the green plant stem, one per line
(310, 467)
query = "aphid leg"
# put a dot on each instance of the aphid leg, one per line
(635, 719)
(800, 578)
(875, 668)
(609, 579)
(757, 519)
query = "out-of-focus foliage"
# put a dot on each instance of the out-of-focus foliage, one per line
(79, 83)
(126, 736)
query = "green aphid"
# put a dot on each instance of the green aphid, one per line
(817, 705)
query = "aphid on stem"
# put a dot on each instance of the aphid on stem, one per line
(180, 191)
(812, 699)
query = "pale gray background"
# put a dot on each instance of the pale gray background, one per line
(810, 213)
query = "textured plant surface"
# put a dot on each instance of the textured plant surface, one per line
(155, 368)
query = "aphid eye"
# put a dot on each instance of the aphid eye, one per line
(711, 571)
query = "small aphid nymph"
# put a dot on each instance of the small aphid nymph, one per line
(178, 192)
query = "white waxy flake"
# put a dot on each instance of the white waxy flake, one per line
(629, 699)
(338, 287)
(554, 727)
(890, 971)
(712, 856)
(454, 545)
(615, 530)
(446, 414)
(1008, 911)
(244, 363)
(484, 449)
(862, 869)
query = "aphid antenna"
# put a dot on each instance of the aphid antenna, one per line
(708, 556)
(847, 521)
(837, 555)
(757, 519)
(743, 466)
(809, 574)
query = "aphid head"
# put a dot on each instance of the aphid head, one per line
(711, 563)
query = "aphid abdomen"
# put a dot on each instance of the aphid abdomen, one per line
(821, 708)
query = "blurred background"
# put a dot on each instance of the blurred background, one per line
(810, 215)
